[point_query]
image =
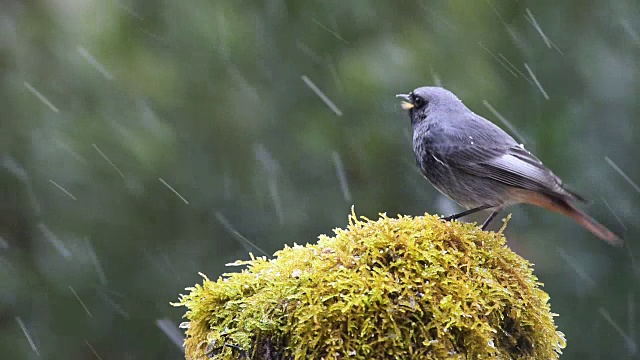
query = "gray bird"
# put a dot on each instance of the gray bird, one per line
(478, 165)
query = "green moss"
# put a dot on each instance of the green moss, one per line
(411, 287)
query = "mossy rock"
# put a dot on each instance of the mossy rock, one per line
(405, 288)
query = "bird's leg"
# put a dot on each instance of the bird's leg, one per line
(489, 219)
(466, 212)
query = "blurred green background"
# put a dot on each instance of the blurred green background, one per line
(144, 142)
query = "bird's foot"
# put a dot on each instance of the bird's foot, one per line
(448, 218)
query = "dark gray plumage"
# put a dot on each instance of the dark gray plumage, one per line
(478, 165)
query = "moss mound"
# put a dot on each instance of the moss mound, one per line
(411, 287)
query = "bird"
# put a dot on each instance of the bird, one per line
(478, 165)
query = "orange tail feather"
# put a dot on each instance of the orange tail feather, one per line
(592, 225)
(564, 207)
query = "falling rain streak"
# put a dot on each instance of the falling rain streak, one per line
(270, 166)
(26, 334)
(508, 65)
(171, 331)
(632, 346)
(102, 293)
(535, 80)
(93, 350)
(96, 263)
(498, 60)
(62, 189)
(515, 68)
(335, 34)
(622, 173)
(227, 225)
(73, 153)
(321, 95)
(41, 97)
(53, 239)
(13, 166)
(615, 215)
(108, 160)
(579, 270)
(84, 306)
(173, 190)
(534, 23)
(93, 62)
(342, 176)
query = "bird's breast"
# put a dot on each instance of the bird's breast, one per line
(430, 163)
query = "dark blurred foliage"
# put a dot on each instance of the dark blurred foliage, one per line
(106, 106)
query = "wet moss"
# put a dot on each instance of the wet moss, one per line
(406, 287)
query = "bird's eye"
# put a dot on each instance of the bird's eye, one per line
(419, 102)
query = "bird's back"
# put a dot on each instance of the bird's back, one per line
(460, 152)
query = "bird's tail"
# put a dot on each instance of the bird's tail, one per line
(592, 225)
(563, 206)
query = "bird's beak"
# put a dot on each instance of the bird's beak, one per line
(406, 101)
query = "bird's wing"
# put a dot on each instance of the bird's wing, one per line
(510, 165)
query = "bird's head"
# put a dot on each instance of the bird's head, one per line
(426, 100)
